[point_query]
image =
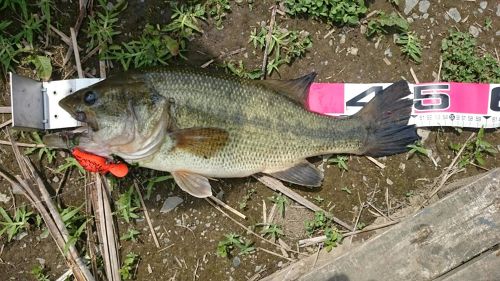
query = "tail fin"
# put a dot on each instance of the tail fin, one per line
(387, 117)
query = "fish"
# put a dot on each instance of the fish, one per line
(200, 125)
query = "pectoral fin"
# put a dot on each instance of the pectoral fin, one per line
(295, 89)
(304, 174)
(194, 184)
(203, 142)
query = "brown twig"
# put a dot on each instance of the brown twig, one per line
(376, 162)
(414, 75)
(146, 215)
(4, 142)
(274, 254)
(76, 52)
(6, 123)
(227, 207)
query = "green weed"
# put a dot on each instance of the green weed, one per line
(273, 231)
(14, 225)
(319, 199)
(131, 235)
(284, 46)
(49, 153)
(128, 204)
(103, 26)
(474, 151)
(418, 149)
(76, 222)
(462, 63)
(333, 238)
(185, 20)
(231, 242)
(244, 201)
(218, 10)
(42, 65)
(488, 23)
(70, 162)
(281, 201)
(334, 11)
(384, 23)
(410, 46)
(127, 269)
(340, 161)
(320, 221)
(240, 70)
(346, 190)
(40, 273)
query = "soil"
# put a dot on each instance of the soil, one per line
(189, 234)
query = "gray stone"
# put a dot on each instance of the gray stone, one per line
(474, 31)
(236, 261)
(425, 16)
(423, 6)
(170, 204)
(388, 52)
(409, 5)
(454, 14)
(483, 4)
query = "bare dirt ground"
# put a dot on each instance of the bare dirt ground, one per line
(189, 234)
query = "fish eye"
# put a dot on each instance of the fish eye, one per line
(90, 97)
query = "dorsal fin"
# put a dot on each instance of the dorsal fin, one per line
(296, 89)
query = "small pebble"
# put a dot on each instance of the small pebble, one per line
(388, 52)
(342, 38)
(170, 204)
(474, 31)
(236, 261)
(423, 6)
(409, 5)
(389, 182)
(454, 14)
(483, 4)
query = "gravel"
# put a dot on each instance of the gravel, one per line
(454, 14)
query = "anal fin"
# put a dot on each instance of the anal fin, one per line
(194, 184)
(304, 174)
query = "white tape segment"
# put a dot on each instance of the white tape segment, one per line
(471, 105)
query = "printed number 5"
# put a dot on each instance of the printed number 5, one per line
(444, 99)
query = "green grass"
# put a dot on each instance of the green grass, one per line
(475, 151)
(49, 153)
(284, 46)
(16, 224)
(130, 235)
(127, 270)
(76, 222)
(334, 11)
(232, 242)
(340, 161)
(103, 26)
(273, 231)
(462, 61)
(244, 201)
(39, 272)
(418, 148)
(128, 205)
(323, 224)
(410, 46)
(281, 201)
(386, 23)
(218, 9)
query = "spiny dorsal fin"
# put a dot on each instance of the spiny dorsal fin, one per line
(296, 89)
(194, 184)
(203, 142)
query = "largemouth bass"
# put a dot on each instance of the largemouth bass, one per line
(197, 125)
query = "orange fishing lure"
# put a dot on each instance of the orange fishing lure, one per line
(98, 164)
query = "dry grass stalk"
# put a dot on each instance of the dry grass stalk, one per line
(227, 207)
(376, 162)
(146, 215)
(76, 52)
(48, 211)
(105, 228)
(6, 123)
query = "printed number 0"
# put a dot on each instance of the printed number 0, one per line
(419, 97)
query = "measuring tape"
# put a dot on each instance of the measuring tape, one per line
(35, 104)
(471, 105)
